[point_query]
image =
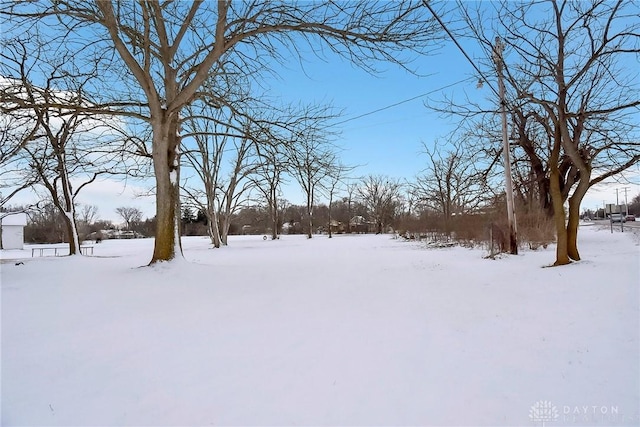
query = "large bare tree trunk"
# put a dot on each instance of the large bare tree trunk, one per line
(214, 229)
(165, 164)
(562, 255)
(72, 234)
(572, 230)
(574, 217)
(69, 209)
(226, 214)
(224, 232)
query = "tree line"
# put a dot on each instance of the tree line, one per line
(173, 91)
(357, 211)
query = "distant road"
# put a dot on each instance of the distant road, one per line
(616, 225)
(632, 224)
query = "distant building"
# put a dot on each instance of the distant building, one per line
(113, 234)
(358, 224)
(336, 226)
(13, 230)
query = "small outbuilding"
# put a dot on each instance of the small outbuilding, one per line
(13, 229)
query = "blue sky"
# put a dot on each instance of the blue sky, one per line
(387, 142)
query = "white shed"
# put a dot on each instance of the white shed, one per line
(13, 230)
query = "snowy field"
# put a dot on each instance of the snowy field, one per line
(354, 330)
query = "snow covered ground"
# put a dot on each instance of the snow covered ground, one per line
(354, 330)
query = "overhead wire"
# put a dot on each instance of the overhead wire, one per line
(401, 102)
(444, 27)
(468, 58)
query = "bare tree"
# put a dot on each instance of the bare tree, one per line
(206, 161)
(351, 188)
(45, 224)
(288, 141)
(163, 46)
(221, 158)
(57, 144)
(311, 156)
(87, 214)
(574, 95)
(223, 190)
(382, 196)
(268, 178)
(216, 122)
(17, 128)
(450, 184)
(63, 148)
(237, 186)
(130, 215)
(634, 205)
(335, 179)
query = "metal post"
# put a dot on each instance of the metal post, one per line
(511, 213)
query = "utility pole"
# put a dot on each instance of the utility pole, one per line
(626, 204)
(511, 212)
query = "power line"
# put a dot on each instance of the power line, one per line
(497, 57)
(444, 27)
(401, 102)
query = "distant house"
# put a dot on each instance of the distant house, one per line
(358, 224)
(13, 230)
(336, 226)
(113, 234)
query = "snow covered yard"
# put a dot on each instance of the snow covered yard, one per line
(354, 330)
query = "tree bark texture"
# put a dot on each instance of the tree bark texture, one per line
(165, 165)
